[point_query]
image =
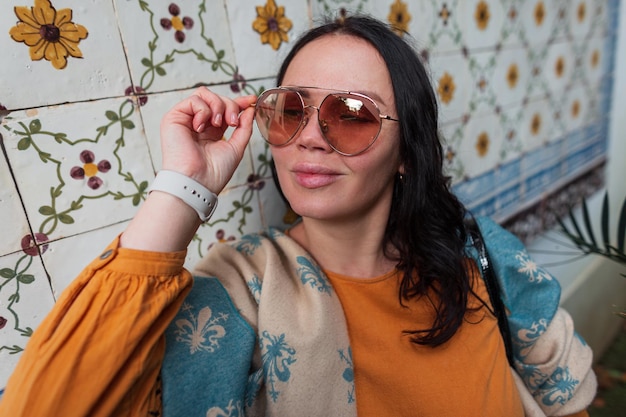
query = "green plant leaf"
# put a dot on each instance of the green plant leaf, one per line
(23, 144)
(577, 237)
(35, 126)
(621, 229)
(143, 186)
(26, 278)
(128, 124)
(160, 71)
(604, 223)
(44, 156)
(7, 273)
(46, 210)
(136, 199)
(111, 115)
(66, 219)
(588, 226)
(146, 62)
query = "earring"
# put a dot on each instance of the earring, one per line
(401, 177)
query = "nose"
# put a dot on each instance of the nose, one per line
(311, 135)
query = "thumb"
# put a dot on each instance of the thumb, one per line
(242, 133)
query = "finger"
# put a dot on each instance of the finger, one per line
(242, 133)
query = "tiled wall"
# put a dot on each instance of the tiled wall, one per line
(524, 88)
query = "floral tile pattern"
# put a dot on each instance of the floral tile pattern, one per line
(524, 88)
(90, 56)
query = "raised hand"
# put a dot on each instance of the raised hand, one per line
(192, 144)
(192, 134)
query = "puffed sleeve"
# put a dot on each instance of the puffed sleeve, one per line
(552, 360)
(99, 351)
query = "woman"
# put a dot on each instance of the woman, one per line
(369, 305)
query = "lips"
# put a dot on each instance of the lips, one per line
(314, 176)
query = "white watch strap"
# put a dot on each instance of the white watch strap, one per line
(188, 190)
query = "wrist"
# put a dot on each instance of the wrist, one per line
(202, 200)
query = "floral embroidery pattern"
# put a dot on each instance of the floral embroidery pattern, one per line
(201, 332)
(399, 17)
(311, 274)
(248, 244)
(255, 285)
(90, 170)
(559, 388)
(534, 272)
(231, 410)
(50, 34)
(348, 372)
(277, 357)
(272, 24)
(177, 23)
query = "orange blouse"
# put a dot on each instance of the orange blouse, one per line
(99, 351)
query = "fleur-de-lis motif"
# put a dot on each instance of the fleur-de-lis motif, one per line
(201, 332)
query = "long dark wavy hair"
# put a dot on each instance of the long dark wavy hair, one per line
(425, 226)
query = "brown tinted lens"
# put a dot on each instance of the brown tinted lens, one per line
(350, 122)
(278, 115)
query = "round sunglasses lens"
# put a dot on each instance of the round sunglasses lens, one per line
(278, 115)
(351, 123)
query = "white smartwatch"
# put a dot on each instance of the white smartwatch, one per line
(191, 192)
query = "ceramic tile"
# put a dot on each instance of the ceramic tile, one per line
(593, 60)
(513, 34)
(484, 21)
(481, 84)
(558, 67)
(452, 135)
(331, 9)
(576, 110)
(510, 122)
(25, 299)
(81, 249)
(580, 18)
(480, 146)
(453, 84)
(154, 110)
(538, 18)
(13, 231)
(255, 58)
(176, 45)
(448, 28)
(95, 68)
(536, 124)
(79, 166)
(511, 76)
(537, 84)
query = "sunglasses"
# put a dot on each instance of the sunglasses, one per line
(349, 122)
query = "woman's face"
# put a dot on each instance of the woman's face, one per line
(317, 181)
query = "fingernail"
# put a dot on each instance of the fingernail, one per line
(200, 128)
(233, 120)
(217, 120)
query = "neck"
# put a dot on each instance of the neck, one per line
(353, 248)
